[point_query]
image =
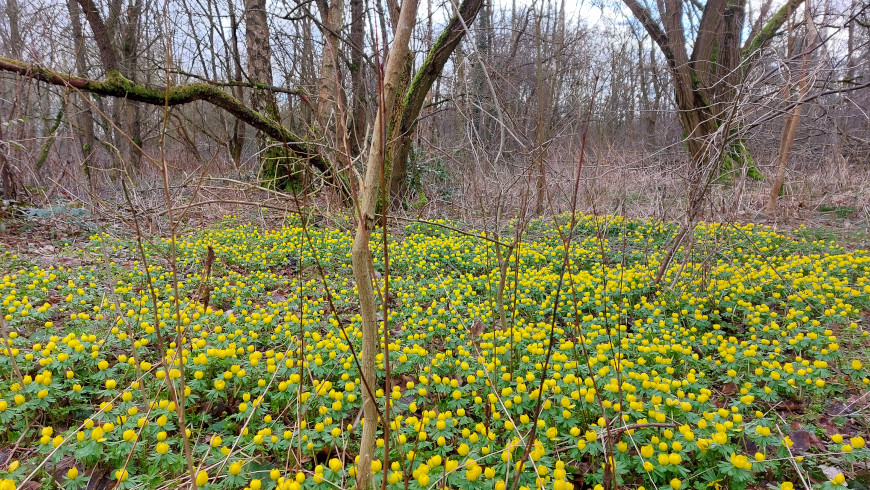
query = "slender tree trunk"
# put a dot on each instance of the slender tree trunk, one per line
(356, 131)
(792, 118)
(237, 138)
(409, 105)
(129, 57)
(259, 56)
(85, 117)
(332, 121)
(329, 85)
(13, 12)
(277, 169)
(108, 57)
(369, 191)
(7, 176)
(306, 71)
(119, 61)
(543, 121)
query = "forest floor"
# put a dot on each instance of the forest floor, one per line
(745, 367)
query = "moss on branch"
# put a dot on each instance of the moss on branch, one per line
(770, 28)
(116, 85)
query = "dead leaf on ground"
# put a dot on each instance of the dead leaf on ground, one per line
(803, 440)
(477, 328)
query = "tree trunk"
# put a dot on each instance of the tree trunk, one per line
(237, 138)
(129, 57)
(356, 131)
(369, 191)
(13, 12)
(704, 83)
(85, 117)
(278, 170)
(411, 103)
(329, 85)
(543, 120)
(792, 119)
(7, 176)
(108, 57)
(331, 120)
(125, 113)
(259, 56)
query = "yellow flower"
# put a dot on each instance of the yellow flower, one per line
(201, 478)
(646, 451)
(463, 449)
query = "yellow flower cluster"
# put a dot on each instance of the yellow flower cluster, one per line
(588, 363)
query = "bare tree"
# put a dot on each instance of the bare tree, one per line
(363, 273)
(704, 80)
(793, 117)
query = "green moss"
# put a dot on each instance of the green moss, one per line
(46, 147)
(280, 170)
(738, 157)
(769, 30)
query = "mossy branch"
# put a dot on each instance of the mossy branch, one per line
(116, 85)
(652, 27)
(770, 28)
(434, 63)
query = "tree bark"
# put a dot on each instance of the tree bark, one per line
(356, 131)
(412, 102)
(237, 138)
(123, 61)
(278, 170)
(259, 56)
(369, 191)
(792, 118)
(329, 85)
(108, 57)
(542, 133)
(129, 57)
(85, 117)
(13, 12)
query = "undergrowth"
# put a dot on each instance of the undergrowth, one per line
(684, 383)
